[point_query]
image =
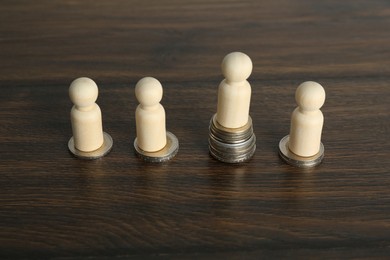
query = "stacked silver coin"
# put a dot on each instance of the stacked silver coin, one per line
(231, 145)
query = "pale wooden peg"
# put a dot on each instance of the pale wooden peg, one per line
(307, 120)
(86, 117)
(150, 115)
(234, 91)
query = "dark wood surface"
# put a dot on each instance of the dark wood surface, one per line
(54, 205)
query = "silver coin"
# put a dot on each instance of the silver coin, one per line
(102, 151)
(165, 154)
(233, 131)
(296, 160)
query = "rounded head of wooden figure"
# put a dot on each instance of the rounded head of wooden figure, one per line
(310, 96)
(236, 67)
(148, 91)
(83, 92)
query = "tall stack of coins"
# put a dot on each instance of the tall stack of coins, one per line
(231, 145)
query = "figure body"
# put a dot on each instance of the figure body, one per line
(234, 92)
(150, 115)
(307, 120)
(86, 117)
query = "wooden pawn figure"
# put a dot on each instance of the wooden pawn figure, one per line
(307, 120)
(85, 115)
(88, 140)
(234, 91)
(150, 115)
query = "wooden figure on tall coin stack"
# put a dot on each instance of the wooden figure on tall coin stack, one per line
(231, 137)
(153, 143)
(303, 147)
(88, 141)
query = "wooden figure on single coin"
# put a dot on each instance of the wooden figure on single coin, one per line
(153, 143)
(303, 147)
(88, 141)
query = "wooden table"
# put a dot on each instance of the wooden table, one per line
(54, 205)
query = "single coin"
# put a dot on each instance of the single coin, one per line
(165, 154)
(232, 130)
(296, 160)
(100, 152)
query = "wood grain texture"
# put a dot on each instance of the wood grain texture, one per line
(54, 205)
